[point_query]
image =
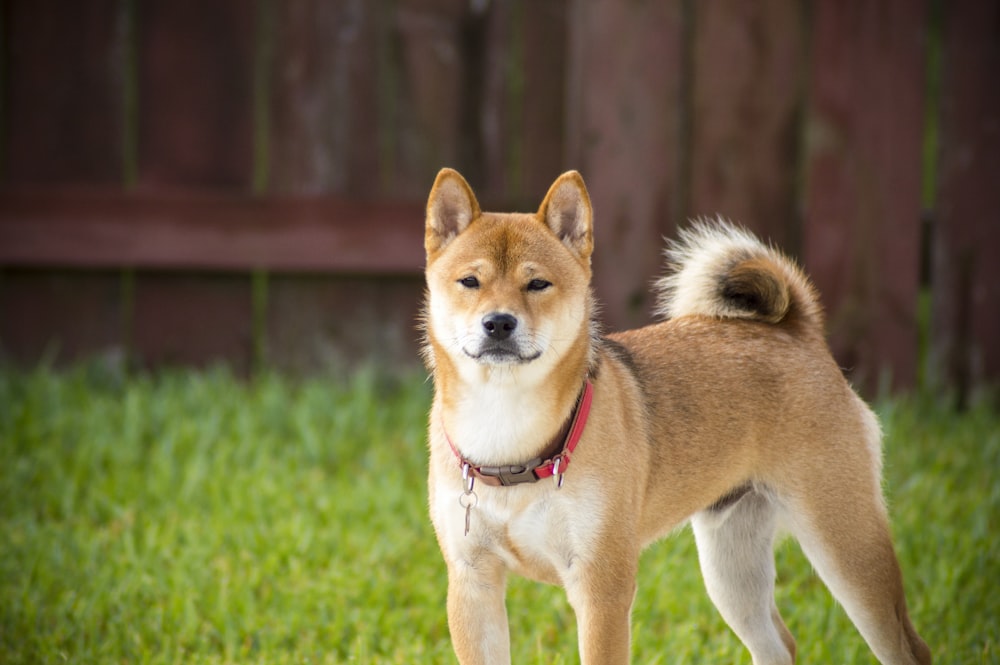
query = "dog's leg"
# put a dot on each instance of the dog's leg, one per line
(736, 552)
(601, 595)
(846, 537)
(477, 614)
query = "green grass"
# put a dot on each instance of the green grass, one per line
(194, 518)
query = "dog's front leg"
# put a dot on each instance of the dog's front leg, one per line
(477, 613)
(602, 598)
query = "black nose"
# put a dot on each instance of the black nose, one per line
(499, 326)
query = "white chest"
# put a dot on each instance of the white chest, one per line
(536, 530)
(499, 426)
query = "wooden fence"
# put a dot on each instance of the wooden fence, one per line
(187, 181)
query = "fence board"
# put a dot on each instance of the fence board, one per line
(101, 229)
(323, 98)
(543, 106)
(60, 315)
(622, 127)
(196, 68)
(193, 319)
(861, 229)
(335, 323)
(521, 113)
(747, 91)
(63, 98)
(966, 272)
(423, 85)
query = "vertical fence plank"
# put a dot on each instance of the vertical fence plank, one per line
(423, 81)
(747, 91)
(60, 315)
(966, 271)
(193, 319)
(196, 130)
(62, 125)
(336, 323)
(365, 102)
(861, 230)
(195, 67)
(366, 96)
(622, 127)
(323, 82)
(543, 109)
(62, 106)
(523, 108)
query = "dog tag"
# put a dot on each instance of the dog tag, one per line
(468, 500)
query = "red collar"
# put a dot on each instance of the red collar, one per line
(538, 468)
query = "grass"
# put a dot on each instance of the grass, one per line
(194, 518)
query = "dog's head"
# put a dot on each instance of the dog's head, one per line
(506, 289)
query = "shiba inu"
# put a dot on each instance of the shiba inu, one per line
(559, 453)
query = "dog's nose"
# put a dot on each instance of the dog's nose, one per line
(499, 326)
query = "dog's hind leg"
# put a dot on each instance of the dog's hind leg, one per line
(845, 534)
(736, 552)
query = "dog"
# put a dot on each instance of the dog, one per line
(559, 453)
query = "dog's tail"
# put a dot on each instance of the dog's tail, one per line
(721, 270)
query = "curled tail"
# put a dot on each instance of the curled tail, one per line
(722, 270)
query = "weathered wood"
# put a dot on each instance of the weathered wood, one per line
(195, 320)
(622, 128)
(966, 271)
(862, 203)
(60, 315)
(322, 101)
(543, 109)
(521, 113)
(63, 96)
(747, 99)
(336, 106)
(425, 87)
(336, 323)
(196, 73)
(91, 229)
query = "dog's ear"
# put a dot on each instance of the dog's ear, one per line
(451, 207)
(566, 210)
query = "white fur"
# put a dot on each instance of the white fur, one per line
(736, 552)
(695, 262)
(498, 421)
(554, 527)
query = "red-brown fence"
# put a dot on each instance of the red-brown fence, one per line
(189, 181)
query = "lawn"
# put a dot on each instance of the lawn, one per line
(189, 517)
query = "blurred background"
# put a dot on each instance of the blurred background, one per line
(190, 182)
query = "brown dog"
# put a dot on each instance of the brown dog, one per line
(559, 454)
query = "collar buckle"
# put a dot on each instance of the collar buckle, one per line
(512, 474)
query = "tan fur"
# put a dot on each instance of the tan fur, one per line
(730, 414)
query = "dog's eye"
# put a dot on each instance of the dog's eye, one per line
(538, 285)
(469, 282)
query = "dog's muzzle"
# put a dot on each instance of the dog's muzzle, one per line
(499, 345)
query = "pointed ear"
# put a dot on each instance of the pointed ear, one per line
(451, 207)
(566, 210)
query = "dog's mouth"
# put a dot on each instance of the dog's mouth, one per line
(502, 353)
